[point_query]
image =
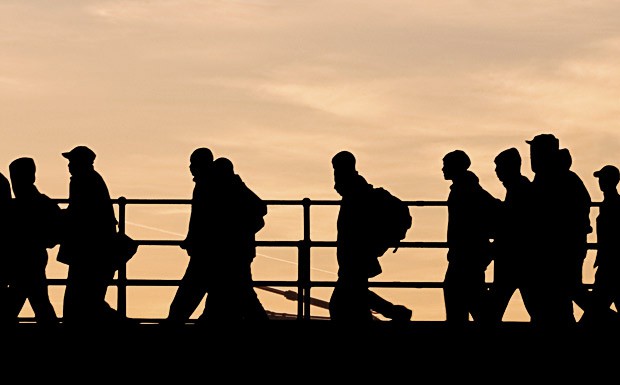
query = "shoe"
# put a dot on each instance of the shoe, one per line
(401, 314)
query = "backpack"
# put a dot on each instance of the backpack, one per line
(256, 210)
(391, 219)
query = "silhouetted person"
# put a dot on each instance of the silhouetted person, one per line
(235, 215)
(195, 282)
(580, 202)
(36, 224)
(606, 287)
(6, 253)
(511, 248)
(89, 229)
(560, 225)
(471, 215)
(357, 251)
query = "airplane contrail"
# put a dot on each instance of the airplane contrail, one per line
(154, 228)
(182, 235)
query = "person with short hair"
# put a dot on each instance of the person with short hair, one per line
(35, 221)
(471, 217)
(511, 248)
(357, 251)
(195, 282)
(606, 287)
(235, 216)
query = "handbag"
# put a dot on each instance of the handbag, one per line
(123, 249)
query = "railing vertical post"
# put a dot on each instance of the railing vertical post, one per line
(122, 271)
(304, 264)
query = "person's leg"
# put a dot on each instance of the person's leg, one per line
(600, 300)
(84, 300)
(7, 306)
(191, 291)
(38, 295)
(500, 292)
(76, 307)
(453, 292)
(15, 300)
(349, 302)
(253, 309)
(580, 293)
(475, 291)
(102, 276)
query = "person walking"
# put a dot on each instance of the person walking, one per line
(195, 282)
(560, 224)
(606, 288)
(6, 253)
(472, 213)
(236, 214)
(512, 262)
(36, 222)
(577, 201)
(87, 245)
(357, 250)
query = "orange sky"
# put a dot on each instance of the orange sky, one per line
(280, 86)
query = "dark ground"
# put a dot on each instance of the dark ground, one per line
(300, 350)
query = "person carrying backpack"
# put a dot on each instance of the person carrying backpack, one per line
(359, 245)
(472, 213)
(236, 214)
(35, 222)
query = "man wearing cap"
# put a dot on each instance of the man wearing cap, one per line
(90, 226)
(472, 214)
(606, 288)
(35, 222)
(560, 224)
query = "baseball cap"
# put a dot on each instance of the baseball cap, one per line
(545, 140)
(80, 153)
(609, 171)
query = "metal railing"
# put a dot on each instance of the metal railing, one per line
(303, 284)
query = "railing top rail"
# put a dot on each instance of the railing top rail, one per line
(282, 202)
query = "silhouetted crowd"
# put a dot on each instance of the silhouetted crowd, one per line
(536, 237)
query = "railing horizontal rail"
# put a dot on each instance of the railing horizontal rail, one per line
(303, 284)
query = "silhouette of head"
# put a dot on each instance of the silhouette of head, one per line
(223, 169)
(200, 162)
(455, 164)
(343, 161)
(608, 178)
(22, 171)
(508, 164)
(543, 152)
(81, 159)
(5, 190)
(565, 159)
(344, 172)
